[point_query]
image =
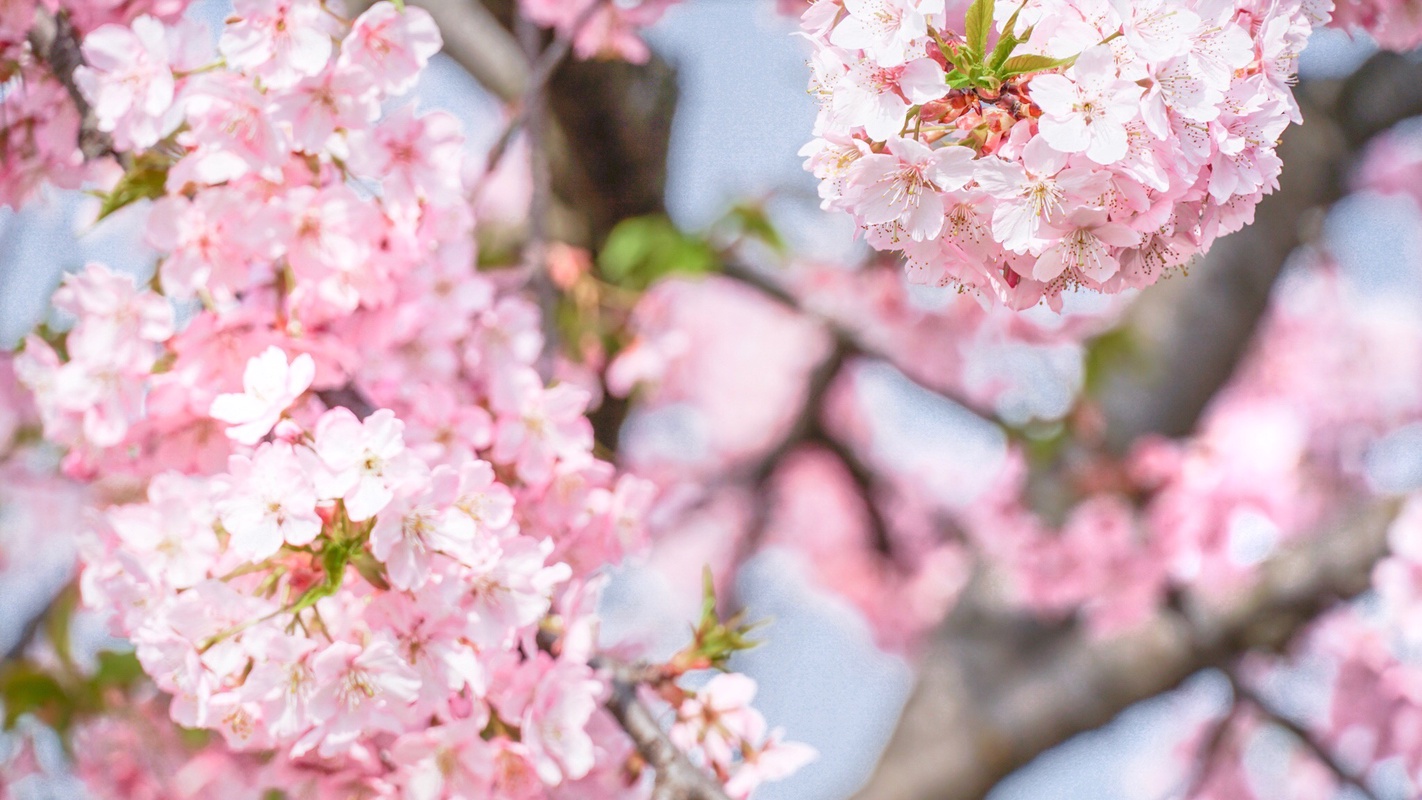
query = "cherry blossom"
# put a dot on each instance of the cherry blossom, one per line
(362, 463)
(270, 385)
(270, 502)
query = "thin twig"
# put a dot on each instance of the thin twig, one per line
(536, 248)
(348, 397)
(1242, 692)
(1210, 749)
(540, 72)
(809, 429)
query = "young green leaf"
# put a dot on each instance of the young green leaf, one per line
(1006, 43)
(145, 179)
(1024, 64)
(977, 25)
(642, 250)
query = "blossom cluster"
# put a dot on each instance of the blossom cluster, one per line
(349, 526)
(1025, 149)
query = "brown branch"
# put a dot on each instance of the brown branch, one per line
(55, 43)
(534, 109)
(540, 72)
(1244, 693)
(997, 687)
(676, 777)
(478, 42)
(865, 484)
(30, 630)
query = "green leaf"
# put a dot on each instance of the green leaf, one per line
(56, 623)
(118, 669)
(26, 689)
(144, 180)
(399, 5)
(751, 221)
(371, 569)
(1108, 355)
(1024, 64)
(1006, 43)
(708, 597)
(642, 250)
(977, 25)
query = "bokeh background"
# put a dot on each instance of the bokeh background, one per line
(743, 114)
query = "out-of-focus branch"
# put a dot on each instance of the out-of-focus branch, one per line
(30, 630)
(609, 130)
(807, 430)
(1243, 692)
(676, 777)
(476, 40)
(55, 42)
(533, 108)
(1210, 750)
(998, 688)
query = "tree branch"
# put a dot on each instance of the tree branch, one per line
(348, 397)
(998, 688)
(677, 778)
(479, 43)
(1210, 750)
(996, 691)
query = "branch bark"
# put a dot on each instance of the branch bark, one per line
(676, 777)
(1244, 693)
(997, 689)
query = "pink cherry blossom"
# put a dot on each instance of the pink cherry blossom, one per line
(414, 528)
(128, 79)
(904, 185)
(390, 46)
(270, 385)
(1084, 249)
(538, 426)
(361, 688)
(270, 502)
(280, 40)
(1087, 109)
(362, 463)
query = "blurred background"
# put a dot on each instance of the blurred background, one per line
(830, 674)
